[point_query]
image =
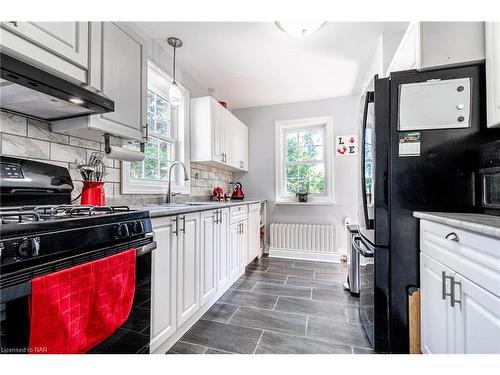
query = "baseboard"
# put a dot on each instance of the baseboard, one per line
(303, 255)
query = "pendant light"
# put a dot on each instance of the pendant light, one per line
(300, 29)
(174, 91)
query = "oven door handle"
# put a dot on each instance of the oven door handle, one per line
(146, 249)
(368, 252)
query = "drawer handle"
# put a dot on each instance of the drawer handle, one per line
(443, 286)
(452, 237)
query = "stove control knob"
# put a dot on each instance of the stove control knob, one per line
(29, 247)
(137, 227)
(121, 231)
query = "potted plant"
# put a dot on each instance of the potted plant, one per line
(302, 195)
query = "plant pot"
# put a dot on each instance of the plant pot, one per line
(302, 198)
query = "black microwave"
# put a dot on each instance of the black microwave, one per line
(489, 171)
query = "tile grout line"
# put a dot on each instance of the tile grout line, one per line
(232, 315)
(307, 325)
(258, 342)
(277, 299)
(251, 290)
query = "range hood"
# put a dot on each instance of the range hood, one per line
(30, 91)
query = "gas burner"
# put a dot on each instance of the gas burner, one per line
(28, 214)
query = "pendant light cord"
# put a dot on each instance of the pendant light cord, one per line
(174, 62)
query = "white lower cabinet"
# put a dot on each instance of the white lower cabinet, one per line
(208, 250)
(164, 278)
(436, 312)
(459, 314)
(223, 250)
(188, 263)
(477, 319)
(198, 257)
(253, 231)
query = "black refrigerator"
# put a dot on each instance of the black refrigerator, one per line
(430, 167)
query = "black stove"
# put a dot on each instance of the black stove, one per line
(41, 232)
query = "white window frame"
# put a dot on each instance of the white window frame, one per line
(159, 81)
(281, 129)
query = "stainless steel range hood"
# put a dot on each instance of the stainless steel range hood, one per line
(30, 91)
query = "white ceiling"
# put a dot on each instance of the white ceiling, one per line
(254, 63)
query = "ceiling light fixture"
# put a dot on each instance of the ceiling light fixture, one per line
(300, 28)
(76, 101)
(174, 91)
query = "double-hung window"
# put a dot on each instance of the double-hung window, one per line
(304, 159)
(167, 135)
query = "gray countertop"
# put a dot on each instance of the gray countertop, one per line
(159, 210)
(478, 223)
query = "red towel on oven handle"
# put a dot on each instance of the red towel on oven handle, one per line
(75, 309)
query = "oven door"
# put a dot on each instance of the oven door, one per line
(367, 168)
(132, 337)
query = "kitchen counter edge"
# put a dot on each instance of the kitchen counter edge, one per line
(478, 223)
(156, 212)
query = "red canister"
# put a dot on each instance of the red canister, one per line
(93, 193)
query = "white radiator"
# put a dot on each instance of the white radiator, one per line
(304, 241)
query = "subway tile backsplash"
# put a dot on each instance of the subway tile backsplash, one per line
(27, 138)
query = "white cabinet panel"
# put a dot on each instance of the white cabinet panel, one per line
(163, 288)
(209, 241)
(428, 45)
(188, 263)
(234, 249)
(492, 40)
(62, 46)
(223, 248)
(477, 319)
(119, 69)
(436, 313)
(253, 231)
(243, 245)
(218, 138)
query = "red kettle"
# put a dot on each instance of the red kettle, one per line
(238, 191)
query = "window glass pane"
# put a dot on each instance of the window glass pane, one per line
(162, 116)
(151, 159)
(136, 168)
(292, 147)
(151, 111)
(311, 152)
(166, 157)
(305, 177)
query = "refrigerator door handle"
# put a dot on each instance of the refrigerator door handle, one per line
(369, 98)
(368, 252)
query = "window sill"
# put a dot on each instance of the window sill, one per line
(280, 203)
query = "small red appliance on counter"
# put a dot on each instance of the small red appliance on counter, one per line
(93, 193)
(238, 191)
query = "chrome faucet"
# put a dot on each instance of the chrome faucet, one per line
(186, 178)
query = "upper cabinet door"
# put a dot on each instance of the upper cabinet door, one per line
(492, 36)
(119, 70)
(477, 318)
(62, 46)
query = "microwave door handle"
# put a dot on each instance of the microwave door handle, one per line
(369, 98)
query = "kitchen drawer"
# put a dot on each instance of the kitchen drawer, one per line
(475, 256)
(238, 213)
(254, 207)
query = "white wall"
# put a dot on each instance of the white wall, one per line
(259, 181)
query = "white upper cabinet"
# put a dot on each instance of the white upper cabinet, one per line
(218, 138)
(119, 69)
(492, 38)
(427, 45)
(61, 46)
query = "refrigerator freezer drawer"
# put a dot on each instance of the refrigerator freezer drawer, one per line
(435, 104)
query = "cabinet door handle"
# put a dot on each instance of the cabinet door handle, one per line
(443, 286)
(183, 224)
(216, 217)
(220, 216)
(452, 237)
(453, 299)
(13, 23)
(176, 231)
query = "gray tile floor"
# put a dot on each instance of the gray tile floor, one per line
(281, 306)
